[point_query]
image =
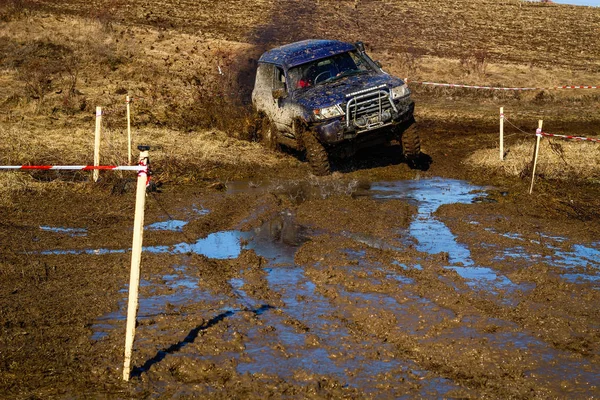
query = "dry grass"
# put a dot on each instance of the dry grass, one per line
(182, 157)
(180, 107)
(557, 159)
(521, 33)
(13, 183)
(179, 156)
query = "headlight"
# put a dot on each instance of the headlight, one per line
(328, 112)
(400, 91)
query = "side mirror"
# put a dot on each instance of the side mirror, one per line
(279, 93)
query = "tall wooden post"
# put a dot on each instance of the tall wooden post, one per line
(96, 172)
(501, 133)
(538, 136)
(136, 255)
(128, 130)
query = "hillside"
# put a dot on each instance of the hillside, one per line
(510, 30)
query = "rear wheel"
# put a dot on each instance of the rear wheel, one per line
(268, 133)
(316, 154)
(261, 129)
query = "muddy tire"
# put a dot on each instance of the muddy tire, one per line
(411, 144)
(268, 134)
(259, 128)
(316, 154)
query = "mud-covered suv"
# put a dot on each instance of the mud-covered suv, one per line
(331, 99)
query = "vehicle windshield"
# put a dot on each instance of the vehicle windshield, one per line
(327, 69)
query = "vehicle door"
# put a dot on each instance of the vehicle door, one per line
(270, 79)
(282, 117)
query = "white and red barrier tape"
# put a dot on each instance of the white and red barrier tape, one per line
(578, 138)
(139, 168)
(142, 168)
(541, 133)
(453, 85)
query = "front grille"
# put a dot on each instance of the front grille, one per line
(369, 110)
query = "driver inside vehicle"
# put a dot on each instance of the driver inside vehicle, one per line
(308, 77)
(326, 69)
(304, 82)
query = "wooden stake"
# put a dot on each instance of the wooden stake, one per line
(501, 133)
(538, 136)
(96, 172)
(136, 255)
(128, 131)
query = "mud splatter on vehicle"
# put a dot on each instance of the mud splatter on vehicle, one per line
(330, 99)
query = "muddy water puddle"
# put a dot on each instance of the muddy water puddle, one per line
(430, 234)
(433, 236)
(308, 329)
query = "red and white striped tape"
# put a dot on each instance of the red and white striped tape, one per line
(539, 132)
(578, 138)
(142, 169)
(453, 85)
(139, 168)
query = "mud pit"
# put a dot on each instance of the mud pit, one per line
(338, 286)
(377, 282)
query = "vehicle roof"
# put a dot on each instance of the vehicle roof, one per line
(305, 51)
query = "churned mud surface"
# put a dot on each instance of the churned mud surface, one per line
(376, 282)
(379, 281)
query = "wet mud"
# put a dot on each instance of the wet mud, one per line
(318, 287)
(380, 281)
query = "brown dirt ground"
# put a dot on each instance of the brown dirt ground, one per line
(49, 303)
(369, 327)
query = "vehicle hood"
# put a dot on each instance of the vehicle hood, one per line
(336, 92)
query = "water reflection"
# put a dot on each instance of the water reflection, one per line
(172, 225)
(432, 235)
(69, 231)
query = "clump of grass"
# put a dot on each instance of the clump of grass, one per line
(557, 159)
(475, 63)
(15, 9)
(187, 157)
(13, 183)
(18, 183)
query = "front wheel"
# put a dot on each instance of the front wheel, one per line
(411, 144)
(316, 154)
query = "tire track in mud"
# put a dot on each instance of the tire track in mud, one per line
(490, 326)
(323, 286)
(457, 335)
(467, 321)
(360, 305)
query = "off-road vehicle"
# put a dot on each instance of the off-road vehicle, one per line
(331, 99)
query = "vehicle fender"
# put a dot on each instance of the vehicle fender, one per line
(286, 115)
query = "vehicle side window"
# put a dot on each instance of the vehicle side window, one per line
(279, 79)
(264, 76)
